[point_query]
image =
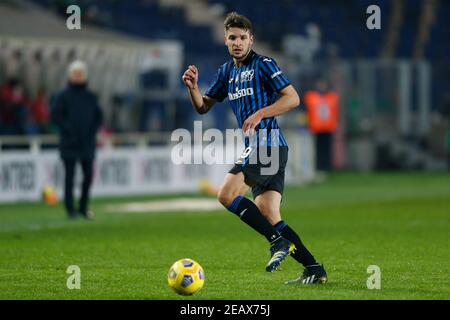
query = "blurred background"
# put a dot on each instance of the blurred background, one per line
(392, 85)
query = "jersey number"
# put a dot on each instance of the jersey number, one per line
(244, 155)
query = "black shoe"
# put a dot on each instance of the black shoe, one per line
(279, 250)
(72, 216)
(311, 274)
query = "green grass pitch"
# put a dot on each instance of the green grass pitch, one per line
(399, 222)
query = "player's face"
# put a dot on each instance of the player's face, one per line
(239, 42)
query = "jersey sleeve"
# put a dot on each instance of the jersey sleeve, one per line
(218, 89)
(272, 75)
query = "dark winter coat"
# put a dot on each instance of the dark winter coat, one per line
(78, 117)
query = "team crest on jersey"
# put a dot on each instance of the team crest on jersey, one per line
(247, 75)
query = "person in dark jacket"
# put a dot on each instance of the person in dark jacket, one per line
(78, 116)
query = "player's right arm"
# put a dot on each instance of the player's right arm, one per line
(201, 103)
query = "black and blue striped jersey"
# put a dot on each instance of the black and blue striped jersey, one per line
(252, 86)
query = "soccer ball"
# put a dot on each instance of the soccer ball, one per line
(49, 194)
(186, 277)
(205, 186)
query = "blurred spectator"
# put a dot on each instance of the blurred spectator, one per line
(78, 117)
(13, 108)
(40, 113)
(322, 107)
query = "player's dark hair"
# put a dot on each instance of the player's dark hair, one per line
(236, 20)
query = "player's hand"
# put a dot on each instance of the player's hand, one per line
(251, 122)
(190, 77)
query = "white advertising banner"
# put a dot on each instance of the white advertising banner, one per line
(132, 171)
(116, 172)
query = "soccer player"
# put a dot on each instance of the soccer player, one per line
(252, 84)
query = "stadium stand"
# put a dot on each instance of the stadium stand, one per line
(410, 30)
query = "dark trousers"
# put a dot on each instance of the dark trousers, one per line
(87, 169)
(323, 151)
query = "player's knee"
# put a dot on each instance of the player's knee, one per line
(226, 196)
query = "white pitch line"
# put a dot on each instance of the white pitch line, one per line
(180, 204)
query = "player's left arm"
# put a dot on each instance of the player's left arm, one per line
(288, 100)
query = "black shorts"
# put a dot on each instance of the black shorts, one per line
(259, 175)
